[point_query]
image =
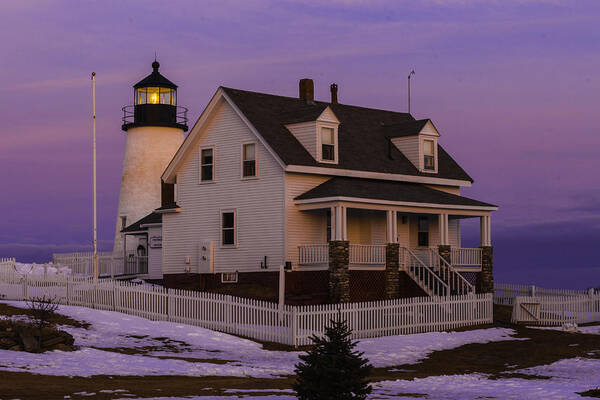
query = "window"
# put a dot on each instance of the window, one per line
(248, 160)
(207, 165)
(229, 277)
(428, 155)
(423, 232)
(327, 144)
(228, 228)
(123, 222)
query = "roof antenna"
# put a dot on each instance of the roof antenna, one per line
(155, 56)
(409, 75)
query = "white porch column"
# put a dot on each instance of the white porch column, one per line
(443, 227)
(341, 233)
(344, 223)
(333, 224)
(485, 223)
(392, 227)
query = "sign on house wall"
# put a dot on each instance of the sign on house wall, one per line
(155, 242)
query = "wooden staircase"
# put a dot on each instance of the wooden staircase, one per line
(433, 273)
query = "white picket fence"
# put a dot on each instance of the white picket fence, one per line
(82, 263)
(505, 293)
(292, 325)
(556, 310)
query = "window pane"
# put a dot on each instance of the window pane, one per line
(228, 220)
(424, 239)
(249, 168)
(165, 96)
(207, 156)
(207, 172)
(153, 95)
(328, 152)
(428, 148)
(327, 136)
(228, 236)
(428, 163)
(423, 224)
(140, 96)
(249, 152)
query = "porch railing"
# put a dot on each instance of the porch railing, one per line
(313, 254)
(457, 284)
(136, 265)
(423, 275)
(465, 257)
(367, 254)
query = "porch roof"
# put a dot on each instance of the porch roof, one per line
(152, 218)
(343, 188)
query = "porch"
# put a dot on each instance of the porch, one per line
(396, 227)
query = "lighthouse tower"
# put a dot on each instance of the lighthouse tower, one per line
(155, 128)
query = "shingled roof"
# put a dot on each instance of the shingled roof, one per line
(152, 218)
(363, 134)
(387, 190)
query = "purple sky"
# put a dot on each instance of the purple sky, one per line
(511, 85)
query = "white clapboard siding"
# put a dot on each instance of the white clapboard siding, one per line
(252, 318)
(259, 203)
(409, 146)
(302, 227)
(306, 133)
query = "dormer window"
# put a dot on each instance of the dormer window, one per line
(327, 144)
(429, 155)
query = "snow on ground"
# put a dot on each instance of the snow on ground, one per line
(237, 357)
(567, 377)
(590, 329)
(41, 269)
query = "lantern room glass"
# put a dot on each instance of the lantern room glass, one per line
(155, 95)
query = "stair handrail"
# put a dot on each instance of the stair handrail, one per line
(453, 276)
(424, 281)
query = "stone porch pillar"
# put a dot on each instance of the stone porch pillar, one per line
(485, 279)
(392, 257)
(339, 274)
(392, 273)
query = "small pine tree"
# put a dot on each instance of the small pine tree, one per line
(332, 370)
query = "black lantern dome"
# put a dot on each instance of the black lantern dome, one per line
(155, 103)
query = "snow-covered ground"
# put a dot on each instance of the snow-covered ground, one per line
(112, 330)
(590, 329)
(41, 269)
(194, 351)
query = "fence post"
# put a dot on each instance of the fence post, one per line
(294, 333)
(170, 305)
(68, 290)
(590, 292)
(532, 291)
(25, 287)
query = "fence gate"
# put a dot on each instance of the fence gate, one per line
(526, 310)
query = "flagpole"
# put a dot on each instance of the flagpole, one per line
(96, 269)
(409, 75)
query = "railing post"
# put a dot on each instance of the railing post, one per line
(532, 290)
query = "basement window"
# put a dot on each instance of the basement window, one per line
(229, 277)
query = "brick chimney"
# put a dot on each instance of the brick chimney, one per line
(334, 88)
(307, 90)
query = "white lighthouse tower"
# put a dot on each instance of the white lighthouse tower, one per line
(155, 128)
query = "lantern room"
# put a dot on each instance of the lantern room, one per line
(155, 103)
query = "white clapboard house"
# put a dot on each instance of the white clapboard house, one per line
(357, 204)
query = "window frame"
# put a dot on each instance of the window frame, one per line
(256, 169)
(234, 280)
(235, 228)
(419, 231)
(334, 128)
(201, 165)
(433, 170)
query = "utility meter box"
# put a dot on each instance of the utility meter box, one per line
(206, 256)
